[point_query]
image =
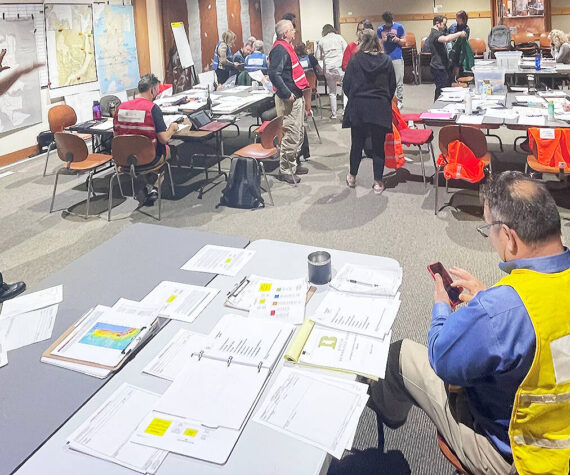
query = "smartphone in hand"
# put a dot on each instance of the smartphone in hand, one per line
(452, 292)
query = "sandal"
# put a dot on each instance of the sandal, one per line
(350, 181)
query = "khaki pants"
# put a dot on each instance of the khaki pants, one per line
(399, 71)
(409, 380)
(293, 132)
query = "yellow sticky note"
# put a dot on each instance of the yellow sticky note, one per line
(262, 301)
(228, 260)
(158, 427)
(264, 287)
(190, 432)
(171, 298)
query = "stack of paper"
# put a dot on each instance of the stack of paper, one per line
(219, 260)
(368, 280)
(28, 319)
(106, 433)
(320, 411)
(179, 301)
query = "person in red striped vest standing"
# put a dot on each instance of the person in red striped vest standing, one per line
(288, 78)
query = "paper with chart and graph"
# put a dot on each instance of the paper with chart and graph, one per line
(219, 260)
(358, 279)
(339, 350)
(316, 410)
(106, 433)
(282, 300)
(366, 315)
(180, 301)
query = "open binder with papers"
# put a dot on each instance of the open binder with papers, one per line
(339, 350)
(101, 341)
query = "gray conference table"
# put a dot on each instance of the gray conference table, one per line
(259, 450)
(36, 399)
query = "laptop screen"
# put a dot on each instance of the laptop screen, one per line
(200, 119)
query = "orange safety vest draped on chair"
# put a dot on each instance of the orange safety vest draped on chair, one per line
(550, 152)
(393, 150)
(460, 163)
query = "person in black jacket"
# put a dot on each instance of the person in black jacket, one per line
(369, 83)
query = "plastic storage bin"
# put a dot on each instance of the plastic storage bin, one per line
(495, 76)
(508, 60)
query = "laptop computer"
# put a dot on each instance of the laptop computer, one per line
(202, 121)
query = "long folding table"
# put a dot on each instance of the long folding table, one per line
(259, 450)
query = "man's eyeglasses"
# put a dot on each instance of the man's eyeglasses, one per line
(484, 228)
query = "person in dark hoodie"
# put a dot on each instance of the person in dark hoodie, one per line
(369, 83)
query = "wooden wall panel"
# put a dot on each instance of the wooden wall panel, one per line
(255, 19)
(289, 6)
(141, 32)
(234, 21)
(209, 31)
(174, 11)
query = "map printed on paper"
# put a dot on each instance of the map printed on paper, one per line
(69, 31)
(115, 47)
(19, 106)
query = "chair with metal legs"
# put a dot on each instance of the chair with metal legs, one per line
(307, 95)
(473, 137)
(59, 117)
(133, 156)
(267, 150)
(72, 150)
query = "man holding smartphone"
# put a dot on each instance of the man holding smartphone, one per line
(508, 349)
(393, 38)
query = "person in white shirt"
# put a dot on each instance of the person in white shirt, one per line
(331, 50)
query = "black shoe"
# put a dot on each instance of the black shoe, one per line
(151, 197)
(288, 178)
(301, 170)
(9, 291)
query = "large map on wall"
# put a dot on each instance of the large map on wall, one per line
(20, 106)
(115, 47)
(69, 31)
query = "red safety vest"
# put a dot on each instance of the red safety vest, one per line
(393, 150)
(461, 163)
(298, 71)
(135, 117)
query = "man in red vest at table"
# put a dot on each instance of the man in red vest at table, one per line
(288, 78)
(141, 116)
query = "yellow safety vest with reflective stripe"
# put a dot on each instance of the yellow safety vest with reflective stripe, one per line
(539, 430)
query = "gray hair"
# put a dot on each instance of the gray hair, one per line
(147, 82)
(258, 45)
(524, 205)
(281, 27)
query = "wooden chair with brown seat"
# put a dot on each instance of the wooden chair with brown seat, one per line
(410, 51)
(59, 117)
(473, 137)
(313, 82)
(525, 42)
(133, 156)
(448, 453)
(307, 95)
(424, 59)
(544, 43)
(266, 150)
(72, 150)
(478, 46)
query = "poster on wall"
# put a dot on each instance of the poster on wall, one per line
(70, 47)
(115, 47)
(20, 106)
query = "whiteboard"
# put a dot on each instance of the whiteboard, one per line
(11, 11)
(182, 44)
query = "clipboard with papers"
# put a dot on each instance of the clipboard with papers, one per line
(101, 341)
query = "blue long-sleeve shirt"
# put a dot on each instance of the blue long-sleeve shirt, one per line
(488, 346)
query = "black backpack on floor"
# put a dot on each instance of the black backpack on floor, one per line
(243, 189)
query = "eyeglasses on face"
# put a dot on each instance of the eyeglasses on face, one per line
(485, 228)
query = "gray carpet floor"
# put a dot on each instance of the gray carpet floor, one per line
(321, 211)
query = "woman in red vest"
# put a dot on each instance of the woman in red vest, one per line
(369, 84)
(353, 47)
